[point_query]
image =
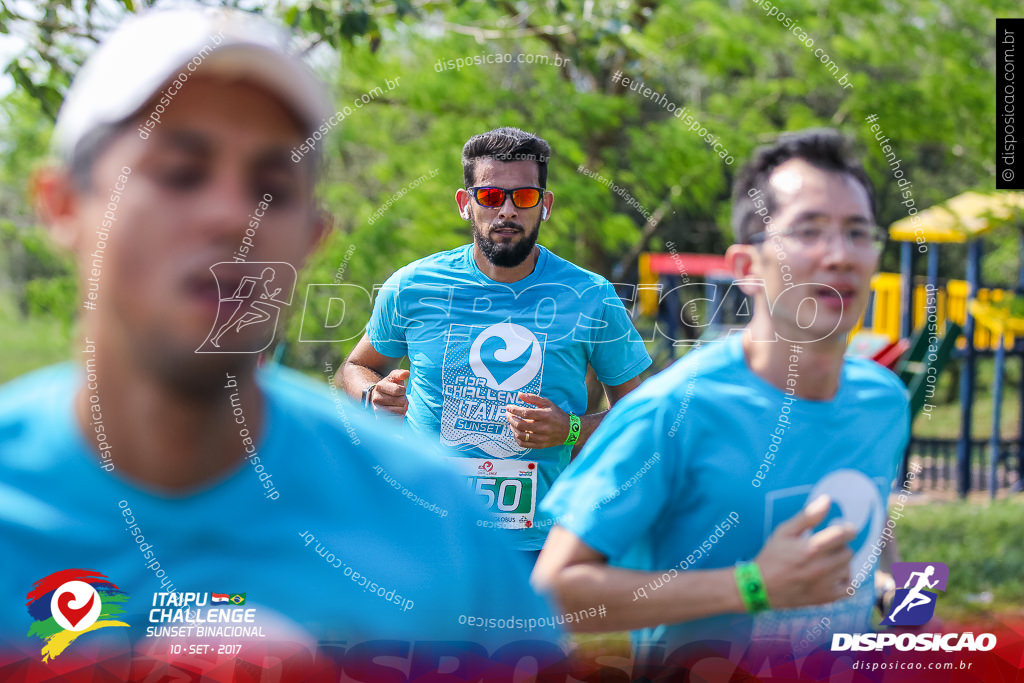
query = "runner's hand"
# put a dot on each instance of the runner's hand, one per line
(544, 426)
(389, 394)
(800, 569)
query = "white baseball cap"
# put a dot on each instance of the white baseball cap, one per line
(151, 50)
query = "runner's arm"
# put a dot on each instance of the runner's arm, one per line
(363, 367)
(798, 569)
(590, 421)
(546, 425)
(580, 578)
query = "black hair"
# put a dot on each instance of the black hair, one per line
(824, 148)
(506, 144)
(88, 149)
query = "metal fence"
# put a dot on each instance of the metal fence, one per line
(940, 470)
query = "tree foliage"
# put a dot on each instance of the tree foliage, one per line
(925, 69)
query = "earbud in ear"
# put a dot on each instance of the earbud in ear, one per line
(544, 213)
(464, 212)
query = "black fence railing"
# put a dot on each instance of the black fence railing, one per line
(940, 472)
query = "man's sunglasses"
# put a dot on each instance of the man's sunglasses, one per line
(493, 197)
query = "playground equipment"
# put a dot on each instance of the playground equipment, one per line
(965, 219)
(913, 327)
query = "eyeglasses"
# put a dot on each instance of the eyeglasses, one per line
(493, 197)
(813, 235)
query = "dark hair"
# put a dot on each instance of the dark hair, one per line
(823, 148)
(88, 150)
(506, 144)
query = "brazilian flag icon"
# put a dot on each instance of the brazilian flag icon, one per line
(237, 598)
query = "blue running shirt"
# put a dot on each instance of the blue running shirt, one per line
(361, 541)
(696, 468)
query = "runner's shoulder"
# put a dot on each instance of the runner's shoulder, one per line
(34, 418)
(562, 270)
(443, 263)
(869, 379)
(315, 406)
(708, 363)
(35, 395)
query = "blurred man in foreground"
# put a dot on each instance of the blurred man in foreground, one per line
(162, 493)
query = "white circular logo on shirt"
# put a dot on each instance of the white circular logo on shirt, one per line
(520, 347)
(859, 504)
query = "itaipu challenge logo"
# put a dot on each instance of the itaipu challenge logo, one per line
(70, 603)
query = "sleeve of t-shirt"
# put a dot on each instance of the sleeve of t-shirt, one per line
(903, 427)
(618, 353)
(622, 480)
(384, 330)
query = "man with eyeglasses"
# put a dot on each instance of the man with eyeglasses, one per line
(759, 467)
(499, 335)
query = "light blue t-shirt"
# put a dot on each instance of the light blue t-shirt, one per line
(697, 467)
(474, 344)
(355, 538)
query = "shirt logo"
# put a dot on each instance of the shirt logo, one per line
(484, 369)
(516, 357)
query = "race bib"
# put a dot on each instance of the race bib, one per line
(507, 487)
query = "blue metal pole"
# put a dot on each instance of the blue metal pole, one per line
(933, 266)
(967, 371)
(997, 409)
(907, 285)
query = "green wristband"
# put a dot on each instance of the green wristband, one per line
(574, 430)
(751, 585)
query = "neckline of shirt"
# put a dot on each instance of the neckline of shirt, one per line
(531, 279)
(85, 456)
(735, 342)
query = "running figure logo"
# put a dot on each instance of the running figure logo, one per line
(914, 603)
(250, 298)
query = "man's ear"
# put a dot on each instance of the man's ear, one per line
(56, 201)
(545, 213)
(462, 199)
(323, 225)
(744, 261)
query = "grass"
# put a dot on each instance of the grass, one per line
(29, 343)
(945, 419)
(983, 545)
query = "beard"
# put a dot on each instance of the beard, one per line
(506, 254)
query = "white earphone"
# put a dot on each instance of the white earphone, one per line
(544, 213)
(464, 212)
